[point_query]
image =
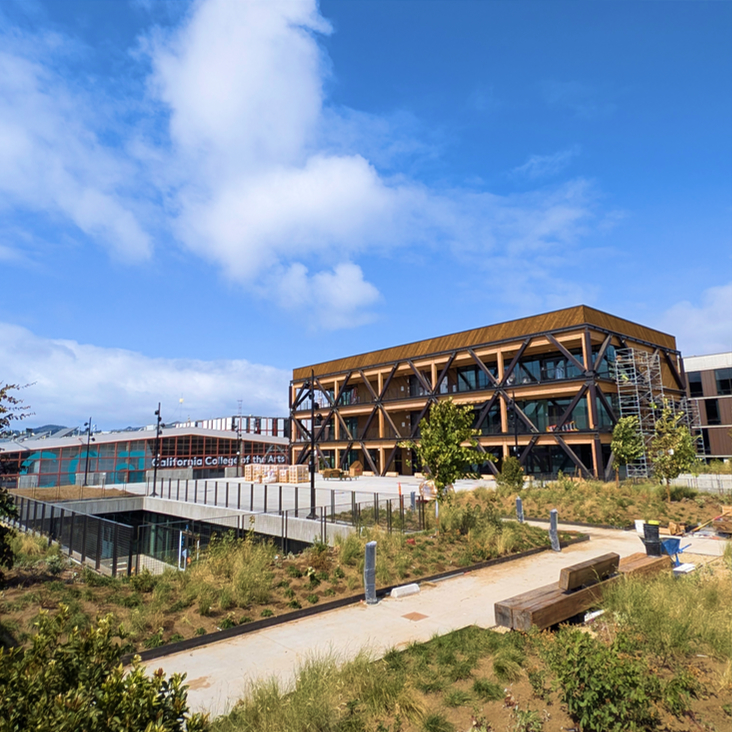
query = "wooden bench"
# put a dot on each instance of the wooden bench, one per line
(580, 587)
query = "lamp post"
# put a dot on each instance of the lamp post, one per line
(311, 385)
(159, 425)
(237, 429)
(89, 440)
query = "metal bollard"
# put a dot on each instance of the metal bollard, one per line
(369, 573)
(553, 533)
(519, 509)
(412, 500)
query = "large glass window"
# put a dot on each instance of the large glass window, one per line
(415, 385)
(473, 378)
(352, 426)
(711, 407)
(695, 383)
(724, 381)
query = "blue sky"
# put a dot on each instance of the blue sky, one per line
(196, 198)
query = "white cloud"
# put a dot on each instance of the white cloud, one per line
(702, 328)
(235, 150)
(51, 159)
(118, 387)
(543, 166)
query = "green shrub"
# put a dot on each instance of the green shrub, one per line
(267, 613)
(200, 631)
(155, 640)
(228, 622)
(144, 581)
(55, 564)
(603, 690)
(313, 599)
(511, 477)
(293, 571)
(79, 684)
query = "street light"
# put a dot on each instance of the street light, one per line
(158, 427)
(89, 440)
(237, 429)
(311, 386)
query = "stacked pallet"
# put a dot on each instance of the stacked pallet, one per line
(299, 473)
(580, 587)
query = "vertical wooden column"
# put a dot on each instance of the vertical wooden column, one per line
(502, 403)
(433, 367)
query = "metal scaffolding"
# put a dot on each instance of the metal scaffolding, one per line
(639, 380)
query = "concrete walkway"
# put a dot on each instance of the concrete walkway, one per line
(219, 673)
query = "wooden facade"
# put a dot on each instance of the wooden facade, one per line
(542, 388)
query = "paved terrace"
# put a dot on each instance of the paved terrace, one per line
(218, 674)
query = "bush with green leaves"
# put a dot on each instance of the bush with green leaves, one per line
(65, 684)
(603, 690)
(511, 477)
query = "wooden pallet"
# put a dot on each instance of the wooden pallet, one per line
(551, 604)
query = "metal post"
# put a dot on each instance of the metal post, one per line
(519, 509)
(98, 558)
(71, 534)
(205, 491)
(376, 509)
(251, 498)
(186, 490)
(388, 516)
(553, 533)
(177, 491)
(227, 494)
(353, 507)
(401, 510)
(280, 501)
(332, 506)
(83, 539)
(216, 493)
(238, 497)
(195, 492)
(369, 573)
(266, 486)
(115, 549)
(297, 496)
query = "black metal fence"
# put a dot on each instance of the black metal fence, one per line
(403, 513)
(107, 546)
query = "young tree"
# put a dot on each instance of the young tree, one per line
(10, 408)
(511, 476)
(627, 444)
(442, 444)
(70, 680)
(672, 448)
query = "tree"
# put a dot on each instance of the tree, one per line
(10, 408)
(627, 444)
(672, 448)
(511, 476)
(78, 683)
(441, 447)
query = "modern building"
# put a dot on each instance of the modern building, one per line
(710, 386)
(547, 388)
(187, 450)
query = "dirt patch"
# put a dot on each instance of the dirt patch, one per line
(69, 493)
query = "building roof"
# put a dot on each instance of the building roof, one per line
(708, 363)
(557, 320)
(100, 438)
